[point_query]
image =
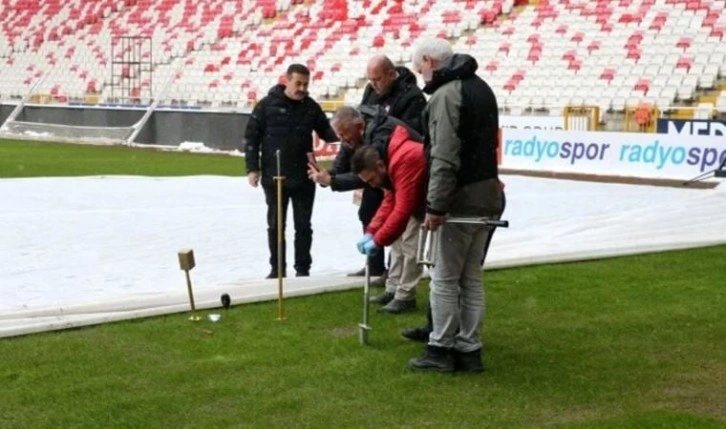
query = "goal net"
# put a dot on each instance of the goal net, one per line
(13, 128)
(66, 133)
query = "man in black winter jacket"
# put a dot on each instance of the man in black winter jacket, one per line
(365, 125)
(395, 89)
(284, 120)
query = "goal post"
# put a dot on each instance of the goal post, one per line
(124, 135)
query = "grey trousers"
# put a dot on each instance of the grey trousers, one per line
(403, 271)
(457, 290)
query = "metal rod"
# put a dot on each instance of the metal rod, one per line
(194, 316)
(478, 221)
(280, 240)
(421, 246)
(698, 178)
(363, 326)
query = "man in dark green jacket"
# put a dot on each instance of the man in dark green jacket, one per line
(461, 127)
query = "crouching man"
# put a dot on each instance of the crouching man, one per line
(400, 169)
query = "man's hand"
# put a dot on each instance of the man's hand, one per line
(253, 177)
(321, 177)
(370, 248)
(432, 221)
(361, 243)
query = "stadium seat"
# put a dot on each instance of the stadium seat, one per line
(628, 48)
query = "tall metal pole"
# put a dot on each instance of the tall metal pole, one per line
(194, 316)
(280, 240)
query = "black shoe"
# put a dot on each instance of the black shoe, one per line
(302, 273)
(469, 361)
(434, 359)
(273, 274)
(359, 273)
(383, 298)
(420, 334)
(397, 306)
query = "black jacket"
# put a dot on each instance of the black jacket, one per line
(405, 101)
(278, 122)
(378, 130)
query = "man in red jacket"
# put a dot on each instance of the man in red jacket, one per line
(400, 169)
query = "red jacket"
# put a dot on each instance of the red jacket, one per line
(407, 175)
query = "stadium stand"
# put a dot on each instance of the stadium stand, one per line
(538, 55)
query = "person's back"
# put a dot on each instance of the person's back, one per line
(380, 126)
(400, 171)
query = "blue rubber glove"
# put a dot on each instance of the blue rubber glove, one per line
(366, 238)
(370, 248)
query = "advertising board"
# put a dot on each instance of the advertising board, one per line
(661, 156)
(693, 127)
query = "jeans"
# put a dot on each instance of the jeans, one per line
(466, 316)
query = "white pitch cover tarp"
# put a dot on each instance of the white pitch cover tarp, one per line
(80, 251)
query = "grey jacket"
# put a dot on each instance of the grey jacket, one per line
(446, 194)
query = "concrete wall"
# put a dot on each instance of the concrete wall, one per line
(5, 110)
(219, 130)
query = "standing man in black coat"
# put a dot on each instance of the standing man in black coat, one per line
(395, 90)
(284, 120)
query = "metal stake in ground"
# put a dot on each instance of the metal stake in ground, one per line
(280, 239)
(186, 262)
(363, 326)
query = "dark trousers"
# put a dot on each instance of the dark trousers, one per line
(370, 202)
(429, 317)
(302, 197)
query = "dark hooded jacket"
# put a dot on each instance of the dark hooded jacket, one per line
(278, 122)
(461, 141)
(378, 131)
(404, 101)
